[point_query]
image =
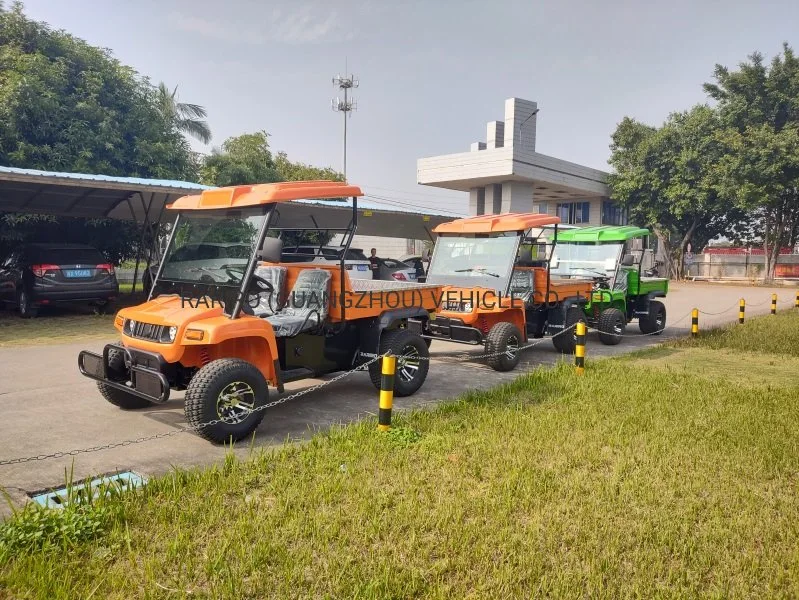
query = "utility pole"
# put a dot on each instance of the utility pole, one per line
(346, 106)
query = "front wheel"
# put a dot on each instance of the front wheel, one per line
(413, 361)
(654, 322)
(611, 326)
(502, 344)
(230, 392)
(566, 340)
(116, 372)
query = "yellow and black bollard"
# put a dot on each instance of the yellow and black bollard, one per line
(741, 310)
(796, 304)
(773, 304)
(386, 392)
(695, 322)
(579, 348)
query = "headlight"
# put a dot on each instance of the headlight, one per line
(168, 334)
(129, 327)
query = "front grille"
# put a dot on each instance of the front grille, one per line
(148, 331)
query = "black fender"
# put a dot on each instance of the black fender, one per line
(641, 305)
(370, 330)
(556, 317)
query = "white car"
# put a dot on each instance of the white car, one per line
(355, 261)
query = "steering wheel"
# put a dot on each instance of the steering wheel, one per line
(263, 284)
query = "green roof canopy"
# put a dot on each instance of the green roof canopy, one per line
(605, 233)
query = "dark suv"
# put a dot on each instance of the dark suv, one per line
(43, 274)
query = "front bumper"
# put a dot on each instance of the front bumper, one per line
(145, 372)
(446, 328)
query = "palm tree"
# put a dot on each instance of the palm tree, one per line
(188, 118)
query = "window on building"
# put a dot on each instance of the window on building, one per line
(574, 213)
(613, 214)
(497, 206)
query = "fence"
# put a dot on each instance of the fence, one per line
(740, 267)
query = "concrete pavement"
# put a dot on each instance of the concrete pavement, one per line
(48, 406)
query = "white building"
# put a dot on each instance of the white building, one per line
(506, 174)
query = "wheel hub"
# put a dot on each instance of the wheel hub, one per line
(408, 363)
(512, 347)
(235, 402)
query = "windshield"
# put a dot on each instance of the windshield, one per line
(474, 262)
(212, 248)
(585, 260)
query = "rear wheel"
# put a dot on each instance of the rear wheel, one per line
(654, 322)
(230, 391)
(566, 340)
(116, 372)
(502, 343)
(27, 310)
(611, 326)
(412, 361)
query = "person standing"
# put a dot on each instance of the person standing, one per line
(374, 264)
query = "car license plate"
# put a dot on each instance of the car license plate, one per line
(363, 267)
(412, 275)
(77, 273)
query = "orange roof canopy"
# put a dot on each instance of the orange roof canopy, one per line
(239, 196)
(498, 223)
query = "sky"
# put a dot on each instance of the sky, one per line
(432, 73)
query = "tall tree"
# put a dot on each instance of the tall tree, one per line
(297, 171)
(247, 159)
(665, 176)
(66, 105)
(759, 105)
(242, 159)
(187, 118)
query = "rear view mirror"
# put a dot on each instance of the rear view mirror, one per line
(610, 264)
(554, 262)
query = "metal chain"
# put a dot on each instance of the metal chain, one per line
(166, 434)
(640, 335)
(284, 399)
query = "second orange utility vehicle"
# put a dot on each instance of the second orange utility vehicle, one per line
(498, 288)
(225, 326)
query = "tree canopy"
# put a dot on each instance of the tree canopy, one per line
(67, 105)
(729, 169)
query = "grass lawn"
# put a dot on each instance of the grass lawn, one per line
(670, 473)
(54, 328)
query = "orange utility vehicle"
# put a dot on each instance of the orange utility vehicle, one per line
(498, 288)
(226, 326)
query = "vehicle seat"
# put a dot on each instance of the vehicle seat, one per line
(522, 285)
(306, 307)
(270, 303)
(620, 284)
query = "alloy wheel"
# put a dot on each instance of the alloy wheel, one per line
(235, 402)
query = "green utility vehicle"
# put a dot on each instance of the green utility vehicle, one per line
(626, 285)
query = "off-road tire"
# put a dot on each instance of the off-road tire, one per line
(27, 310)
(654, 322)
(401, 342)
(611, 326)
(498, 339)
(566, 342)
(116, 372)
(204, 390)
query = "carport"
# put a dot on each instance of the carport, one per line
(144, 201)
